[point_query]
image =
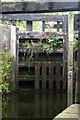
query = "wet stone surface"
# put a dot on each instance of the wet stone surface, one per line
(72, 111)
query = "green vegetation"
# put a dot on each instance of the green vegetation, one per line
(76, 45)
(75, 66)
(6, 72)
(75, 49)
(76, 42)
(47, 47)
(5, 88)
(5, 104)
(51, 44)
(5, 22)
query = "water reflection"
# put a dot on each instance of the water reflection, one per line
(44, 105)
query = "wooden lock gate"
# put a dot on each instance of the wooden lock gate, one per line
(47, 74)
(49, 71)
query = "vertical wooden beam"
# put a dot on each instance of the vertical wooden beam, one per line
(70, 74)
(65, 39)
(65, 60)
(54, 76)
(65, 24)
(58, 75)
(74, 80)
(68, 49)
(65, 54)
(37, 75)
(51, 75)
(58, 26)
(0, 54)
(17, 60)
(65, 47)
(13, 56)
(77, 89)
(70, 63)
(44, 69)
(64, 79)
(0, 71)
(29, 25)
(43, 25)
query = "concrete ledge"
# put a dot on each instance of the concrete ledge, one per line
(72, 113)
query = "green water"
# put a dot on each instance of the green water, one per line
(33, 105)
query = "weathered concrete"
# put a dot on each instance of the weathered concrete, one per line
(72, 111)
(8, 34)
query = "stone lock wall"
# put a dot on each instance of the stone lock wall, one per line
(8, 39)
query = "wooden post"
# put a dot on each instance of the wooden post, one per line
(43, 25)
(13, 56)
(74, 80)
(70, 64)
(58, 76)
(37, 75)
(65, 53)
(0, 54)
(77, 89)
(17, 58)
(64, 79)
(70, 73)
(58, 26)
(44, 69)
(29, 25)
(0, 71)
(51, 75)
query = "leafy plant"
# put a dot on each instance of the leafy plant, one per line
(75, 49)
(76, 45)
(57, 42)
(5, 88)
(31, 53)
(5, 104)
(28, 44)
(6, 66)
(48, 48)
(6, 71)
(51, 44)
(27, 74)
